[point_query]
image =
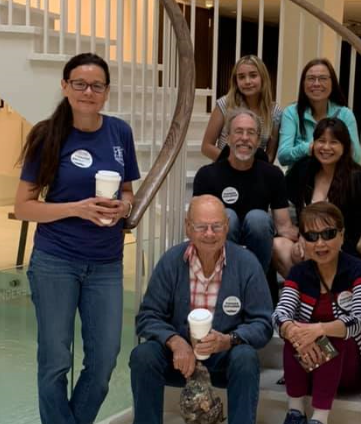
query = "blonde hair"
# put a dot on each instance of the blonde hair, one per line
(235, 99)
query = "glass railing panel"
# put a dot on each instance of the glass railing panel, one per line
(18, 387)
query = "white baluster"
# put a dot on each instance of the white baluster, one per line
(260, 28)
(239, 30)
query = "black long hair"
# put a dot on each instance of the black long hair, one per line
(47, 137)
(303, 101)
(342, 185)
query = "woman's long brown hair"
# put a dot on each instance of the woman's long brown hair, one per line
(47, 137)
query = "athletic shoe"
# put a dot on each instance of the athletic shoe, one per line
(295, 417)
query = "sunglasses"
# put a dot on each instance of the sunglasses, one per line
(327, 234)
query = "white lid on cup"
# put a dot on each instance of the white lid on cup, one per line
(200, 315)
(108, 175)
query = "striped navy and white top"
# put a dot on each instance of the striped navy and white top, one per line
(302, 290)
(276, 120)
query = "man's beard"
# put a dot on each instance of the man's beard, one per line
(243, 157)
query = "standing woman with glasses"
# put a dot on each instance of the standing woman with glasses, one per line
(320, 306)
(250, 88)
(76, 262)
(319, 97)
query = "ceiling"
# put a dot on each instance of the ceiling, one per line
(251, 7)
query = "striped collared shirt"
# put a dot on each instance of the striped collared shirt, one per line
(203, 290)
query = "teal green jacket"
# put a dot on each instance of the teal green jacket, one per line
(293, 147)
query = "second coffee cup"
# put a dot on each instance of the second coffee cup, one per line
(107, 185)
(200, 324)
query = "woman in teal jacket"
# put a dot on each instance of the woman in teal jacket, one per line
(320, 96)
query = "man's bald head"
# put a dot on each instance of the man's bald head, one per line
(204, 201)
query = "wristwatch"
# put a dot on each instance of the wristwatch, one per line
(235, 339)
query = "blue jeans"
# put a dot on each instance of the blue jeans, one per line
(59, 287)
(152, 368)
(255, 232)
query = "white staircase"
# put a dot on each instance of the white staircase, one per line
(30, 84)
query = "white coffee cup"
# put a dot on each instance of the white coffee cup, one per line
(200, 324)
(107, 185)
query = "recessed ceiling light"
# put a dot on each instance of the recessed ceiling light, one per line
(209, 4)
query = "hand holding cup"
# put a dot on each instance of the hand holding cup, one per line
(107, 186)
(200, 324)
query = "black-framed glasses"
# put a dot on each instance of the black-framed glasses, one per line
(81, 85)
(326, 235)
(216, 227)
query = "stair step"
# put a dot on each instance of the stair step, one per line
(20, 29)
(146, 146)
(272, 405)
(196, 118)
(33, 10)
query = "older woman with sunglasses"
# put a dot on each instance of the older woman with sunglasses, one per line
(319, 317)
(329, 174)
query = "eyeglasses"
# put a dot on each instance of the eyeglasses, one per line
(322, 79)
(217, 227)
(81, 85)
(326, 235)
(242, 131)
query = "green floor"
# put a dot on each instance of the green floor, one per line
(18, 399)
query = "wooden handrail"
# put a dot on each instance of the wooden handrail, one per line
(344, 32)
(181, 118)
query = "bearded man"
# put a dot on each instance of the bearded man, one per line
(249, 188)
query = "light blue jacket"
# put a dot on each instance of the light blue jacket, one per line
(166, 304)
(293, 147)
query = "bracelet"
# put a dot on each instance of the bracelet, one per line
(130, 209)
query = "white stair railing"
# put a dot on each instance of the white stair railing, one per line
(127, 34)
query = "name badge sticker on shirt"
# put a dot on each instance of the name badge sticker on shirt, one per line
(231, 305)
(230, 195)
(344, 300)
(81, 158)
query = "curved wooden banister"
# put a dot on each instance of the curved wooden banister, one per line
(344, 32)
(181, 118)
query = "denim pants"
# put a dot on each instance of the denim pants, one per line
(59, 287)
(152, 368)
(256, 232)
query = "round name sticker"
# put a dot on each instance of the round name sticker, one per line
(344, 300)
(82, 158)
(230, 195)
(231, 305)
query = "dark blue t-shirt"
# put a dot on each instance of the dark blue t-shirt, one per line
(83, 154)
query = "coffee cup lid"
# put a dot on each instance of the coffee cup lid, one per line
(107, 175)
(200, 314)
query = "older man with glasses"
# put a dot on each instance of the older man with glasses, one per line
(248, 188)
(211, 273)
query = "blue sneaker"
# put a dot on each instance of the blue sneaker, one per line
(295, 417)
(314, 422)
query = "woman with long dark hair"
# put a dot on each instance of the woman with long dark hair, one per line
(329, 174)
(76, 263)
(320, 96)
(319, 317)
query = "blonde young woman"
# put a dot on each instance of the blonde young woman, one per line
(250, 87)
